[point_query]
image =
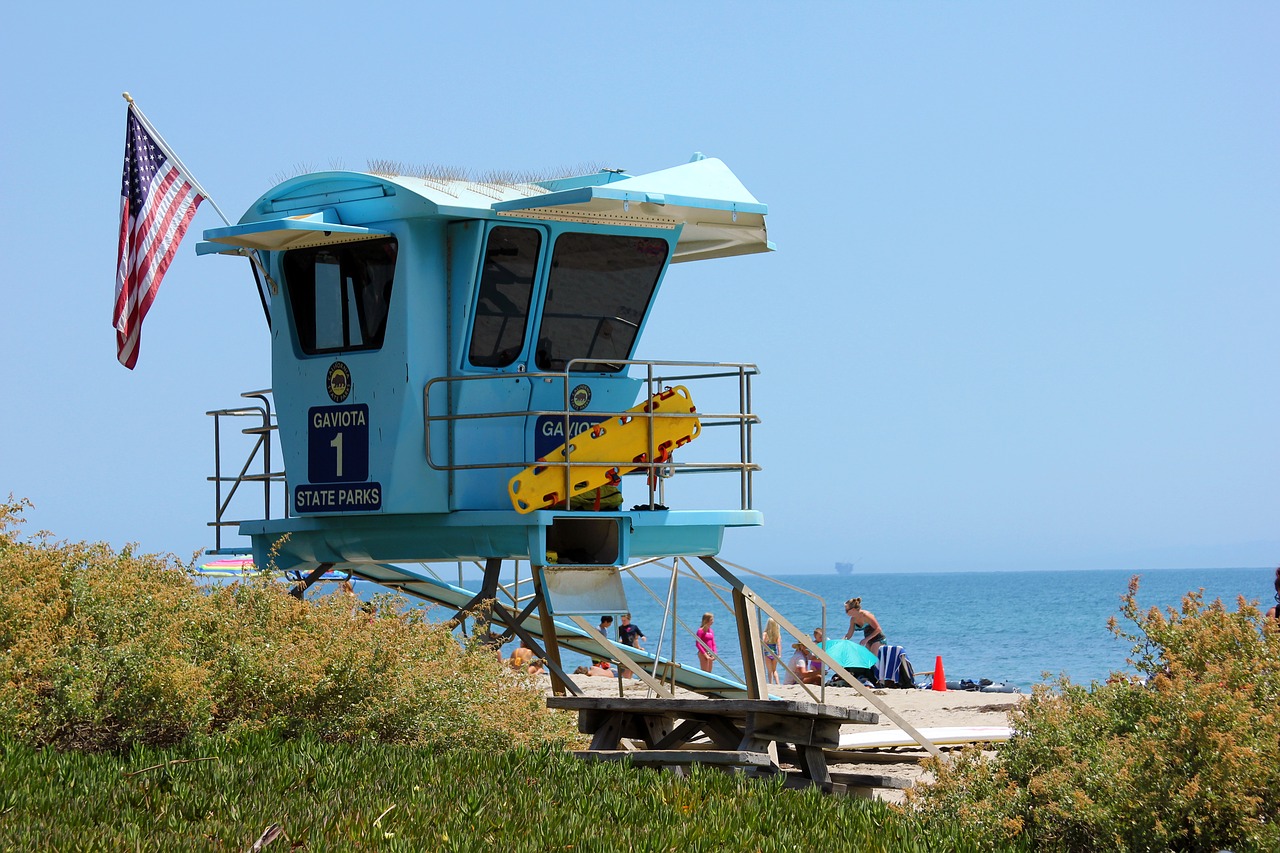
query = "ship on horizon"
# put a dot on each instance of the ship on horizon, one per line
(844, 568)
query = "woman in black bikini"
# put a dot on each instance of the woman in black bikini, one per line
(864, 620)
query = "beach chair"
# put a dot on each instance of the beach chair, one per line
(893, 668)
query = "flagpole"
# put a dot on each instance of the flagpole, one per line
(251, 254)
(168, 152)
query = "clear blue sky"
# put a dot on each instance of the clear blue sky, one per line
(1023, 312)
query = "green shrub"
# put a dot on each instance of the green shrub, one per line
(1187, 758)
(101, 650)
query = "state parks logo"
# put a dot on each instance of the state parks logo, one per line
(338, 382)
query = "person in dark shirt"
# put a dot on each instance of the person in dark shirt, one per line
(629, 635)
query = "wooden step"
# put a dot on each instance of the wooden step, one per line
(666, 757)
(870, 780)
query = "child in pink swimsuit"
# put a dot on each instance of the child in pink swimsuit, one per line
(706, 643)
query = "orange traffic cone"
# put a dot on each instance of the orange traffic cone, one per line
(939, 677)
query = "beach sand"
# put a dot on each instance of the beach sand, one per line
(920, 708)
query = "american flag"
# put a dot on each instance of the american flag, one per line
(157, 203)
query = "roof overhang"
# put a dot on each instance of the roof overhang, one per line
(716, 215)
(290, 232)
(710, 212)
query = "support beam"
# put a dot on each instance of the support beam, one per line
(488, 589)
(512, 622)
(300, 588)
(559, 681)
(749, 640)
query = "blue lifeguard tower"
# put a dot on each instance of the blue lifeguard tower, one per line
(454, 378)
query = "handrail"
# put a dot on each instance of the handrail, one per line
(260, 451)
(656, 471)
(682, 567)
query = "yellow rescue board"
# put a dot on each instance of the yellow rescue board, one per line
(601, 455)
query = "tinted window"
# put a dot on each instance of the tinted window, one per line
(340, 294)
(506, 287)
(598, 292)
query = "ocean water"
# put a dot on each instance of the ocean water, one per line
(1019, 628)
(1014, 627)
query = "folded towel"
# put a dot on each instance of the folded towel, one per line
(888, 660)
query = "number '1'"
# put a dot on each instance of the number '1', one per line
(336, 444)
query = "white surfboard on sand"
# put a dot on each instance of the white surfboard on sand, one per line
(886, 738)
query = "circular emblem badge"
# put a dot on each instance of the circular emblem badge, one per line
(338, 382)
(579, 398)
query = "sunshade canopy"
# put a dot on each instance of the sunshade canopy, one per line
(849, 654)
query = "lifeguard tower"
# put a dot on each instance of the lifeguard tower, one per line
(453, 373)
(454, 379)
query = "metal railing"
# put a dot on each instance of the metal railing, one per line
(680, 618)
(438, 409)
(683, 567)
(259, 454)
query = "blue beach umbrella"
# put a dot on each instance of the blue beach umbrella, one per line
(849, 654)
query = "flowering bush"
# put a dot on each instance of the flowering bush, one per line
(102, 650)
(1185, 758)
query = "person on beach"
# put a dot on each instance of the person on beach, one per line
(809, 669)
(348, 592)
(772, 639)
(606, 625)
(522, 658)
(600, 670)
(1274, 612)
(630, 635)
(706, 643)
(802, 667)
(865, 621)
(795, 665)
(811, 673)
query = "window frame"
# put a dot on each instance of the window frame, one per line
(668, 240)
(534, 291)
(355, 299)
